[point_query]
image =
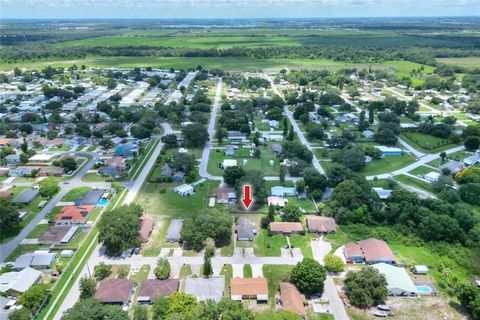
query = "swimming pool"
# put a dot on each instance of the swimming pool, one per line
(424, 289)
(102, 202)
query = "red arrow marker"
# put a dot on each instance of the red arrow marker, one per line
(247, 197)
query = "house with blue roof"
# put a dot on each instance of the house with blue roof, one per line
(281, 191)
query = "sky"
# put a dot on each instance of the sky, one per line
(209, 9)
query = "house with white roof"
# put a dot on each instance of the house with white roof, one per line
(16, 283)
(399, 282)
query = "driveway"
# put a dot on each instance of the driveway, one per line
(320, 249)
(257, 270)
(237, 270)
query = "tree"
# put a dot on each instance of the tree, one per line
(470, 193)
(195, 135)
(472, 143)
(69, 164)
(9, 218)
(225, 309)
(123, 271)
(88, 287)
(469, 297)
(33, 298)
(213, 224)
(333, 263)
(102, 271)
(315, 131)
(182, 162)
(351, 157)
(300, 186)
(314, 180)
(140, 312)
(162, 271)
(309, 276)
(170, 140)
(48, 187)
(366, 287)
(232, 174)
(119, 229)
(20, 314)
(207, 266)
(282, 174)
(180, 304)
(93, 309)
(443, 156)
(290, 135)
(291, 213)
(220, 134)
(385, 136)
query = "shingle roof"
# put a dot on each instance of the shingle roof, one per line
(19, 281)
(285, 227)
(26, 196)
(374, 249)
(248, 286)
(321, 224)
(146, 228)
(292, 299)
(153, 288)
(89, 198)
(174, 229)
(114, 290)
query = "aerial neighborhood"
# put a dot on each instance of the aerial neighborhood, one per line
(154, 192)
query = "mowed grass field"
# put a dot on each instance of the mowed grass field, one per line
(469, 62)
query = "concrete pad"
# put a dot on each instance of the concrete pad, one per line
(29, 241)
(217, 268)
(196, 268)
(320, 249)
(174, 270)
(164, 252)
(237, 270)
(339, 253)
(177, 252)
(238, 251)
(285, 253)
(249, 252)
(297, 253)
(257, 270)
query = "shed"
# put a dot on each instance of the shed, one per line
(228, 163)
(420, 269)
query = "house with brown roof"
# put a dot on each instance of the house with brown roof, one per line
(249, 288)
(146, 228)
(50, 171)
(226, 195)
(5, 141)
(291, 299)
(4, 172)
(321, 224)
(151, 289)
(369, 251)
(5, 193)
(73, 215)
(55, 142)
(285, 227)
(115, 291)
(118, 163)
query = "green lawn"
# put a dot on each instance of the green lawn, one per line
(227, 272)
(468, 62)
(263, 245)
(93, 177)
(422, 170)
(38, 231)
(387, 164)
(414, 182)
(139, 277)
(262, 164)
(160, 203)
(426, 143)
(247, 271)
(276, 274)
(24, 248)
(75, 193)
(303, 242)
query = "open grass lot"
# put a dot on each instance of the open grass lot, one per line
(387, 164)
(262, 164)
(469, 62)
(24, 248)
(303, 242)
(93, 177)
(38, 231)
(422, 170)
(264, 245)
(426, 143)
(158, 202)
(458, 156)
(227, 272)
(76, 193)
(414, 182)
(276, 274)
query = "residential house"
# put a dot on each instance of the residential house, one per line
(229, 150)
(4, 172)
(205, 288)
(249, 288)
(432, 176)
(89, 198)
(236, 136)
(246, 230)
(12, 158)
(42, 158)
(118, 163)
(275, 137)
(15, 283)
(452, 166)
(26, 196)
(73, 215)
(23, 171)
(146, 228)
(369, 251)
(368, 134)
(39, 259)
(184, 190)
(399, 282)
(58, 235)
(383, 194)
(174, 230)
(50, 171)
(285, 227)
(390, 151)
(226, 195)
(276, 149)
(115, 291)
(228, 163)
(152, 289)
(321, 224)
(109, 172)
(472, 160)
(5, 141)
(178, 176)
(291, 299)
(276, 201)
(166, 170)
(280, 191)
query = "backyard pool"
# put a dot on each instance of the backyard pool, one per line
(424, 289)
(102, 203)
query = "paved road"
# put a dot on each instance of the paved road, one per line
(211, 133)
(422, 161)
(302, 138)
(411, 149)
(320, 249)
(7, 248)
